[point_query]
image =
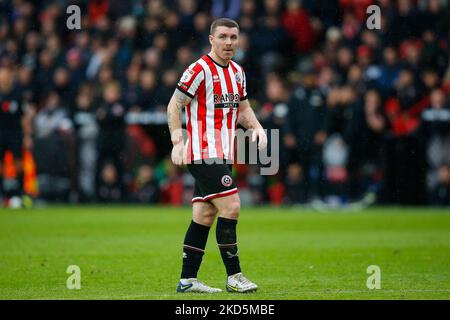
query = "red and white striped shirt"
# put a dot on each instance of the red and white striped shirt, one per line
(211, 116)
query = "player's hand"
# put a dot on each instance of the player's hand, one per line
(261, 136)
(178, 154)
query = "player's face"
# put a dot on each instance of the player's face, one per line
(224, 42)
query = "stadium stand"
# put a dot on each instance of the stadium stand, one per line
(358, 110)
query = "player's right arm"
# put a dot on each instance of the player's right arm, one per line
(174, 112)
(186, 90)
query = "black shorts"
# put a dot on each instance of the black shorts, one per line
(11, 140)
(211, 180)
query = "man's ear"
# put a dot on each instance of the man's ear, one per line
(211, 37)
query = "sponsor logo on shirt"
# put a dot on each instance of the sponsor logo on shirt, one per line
(226, 100)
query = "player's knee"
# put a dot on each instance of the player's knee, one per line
(205, 216)
(231, 211)
(209, 215)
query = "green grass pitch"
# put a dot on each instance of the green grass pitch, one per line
(129, 252)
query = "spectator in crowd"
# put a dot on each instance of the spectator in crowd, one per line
(44, 72)
(404, 22)
(111, 122)
(62, 86)
(12, 131)
(296, 187)
(110, 188)
(335, 161)
(435, 15)
(199, 39)
(389, 70)
(145, 187)
(273, 113)
(327, 11)
(27, 85)
(340, 121)
(255, 185)
(441, 193)
(53, 149)
(75, 68)
(165, 90)
(436, 130)
(296, 21)
(306, 134)
(405, 174)
(271, 42)
(365, 163)
(433, 56)
(86, 133)
(147, 91)
(131, 89)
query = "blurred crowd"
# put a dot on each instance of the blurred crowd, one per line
(358, 110)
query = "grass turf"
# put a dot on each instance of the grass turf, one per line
(135, 253)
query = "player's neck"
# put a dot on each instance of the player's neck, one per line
(217, 59)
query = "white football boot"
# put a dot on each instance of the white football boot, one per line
(238, 283)
(195, 285)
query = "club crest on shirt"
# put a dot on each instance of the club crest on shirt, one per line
(187, 75)
(227, 181)
(238, 78)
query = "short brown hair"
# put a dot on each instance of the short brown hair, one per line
(223, 22)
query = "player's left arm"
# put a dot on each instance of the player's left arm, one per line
(248, 120)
